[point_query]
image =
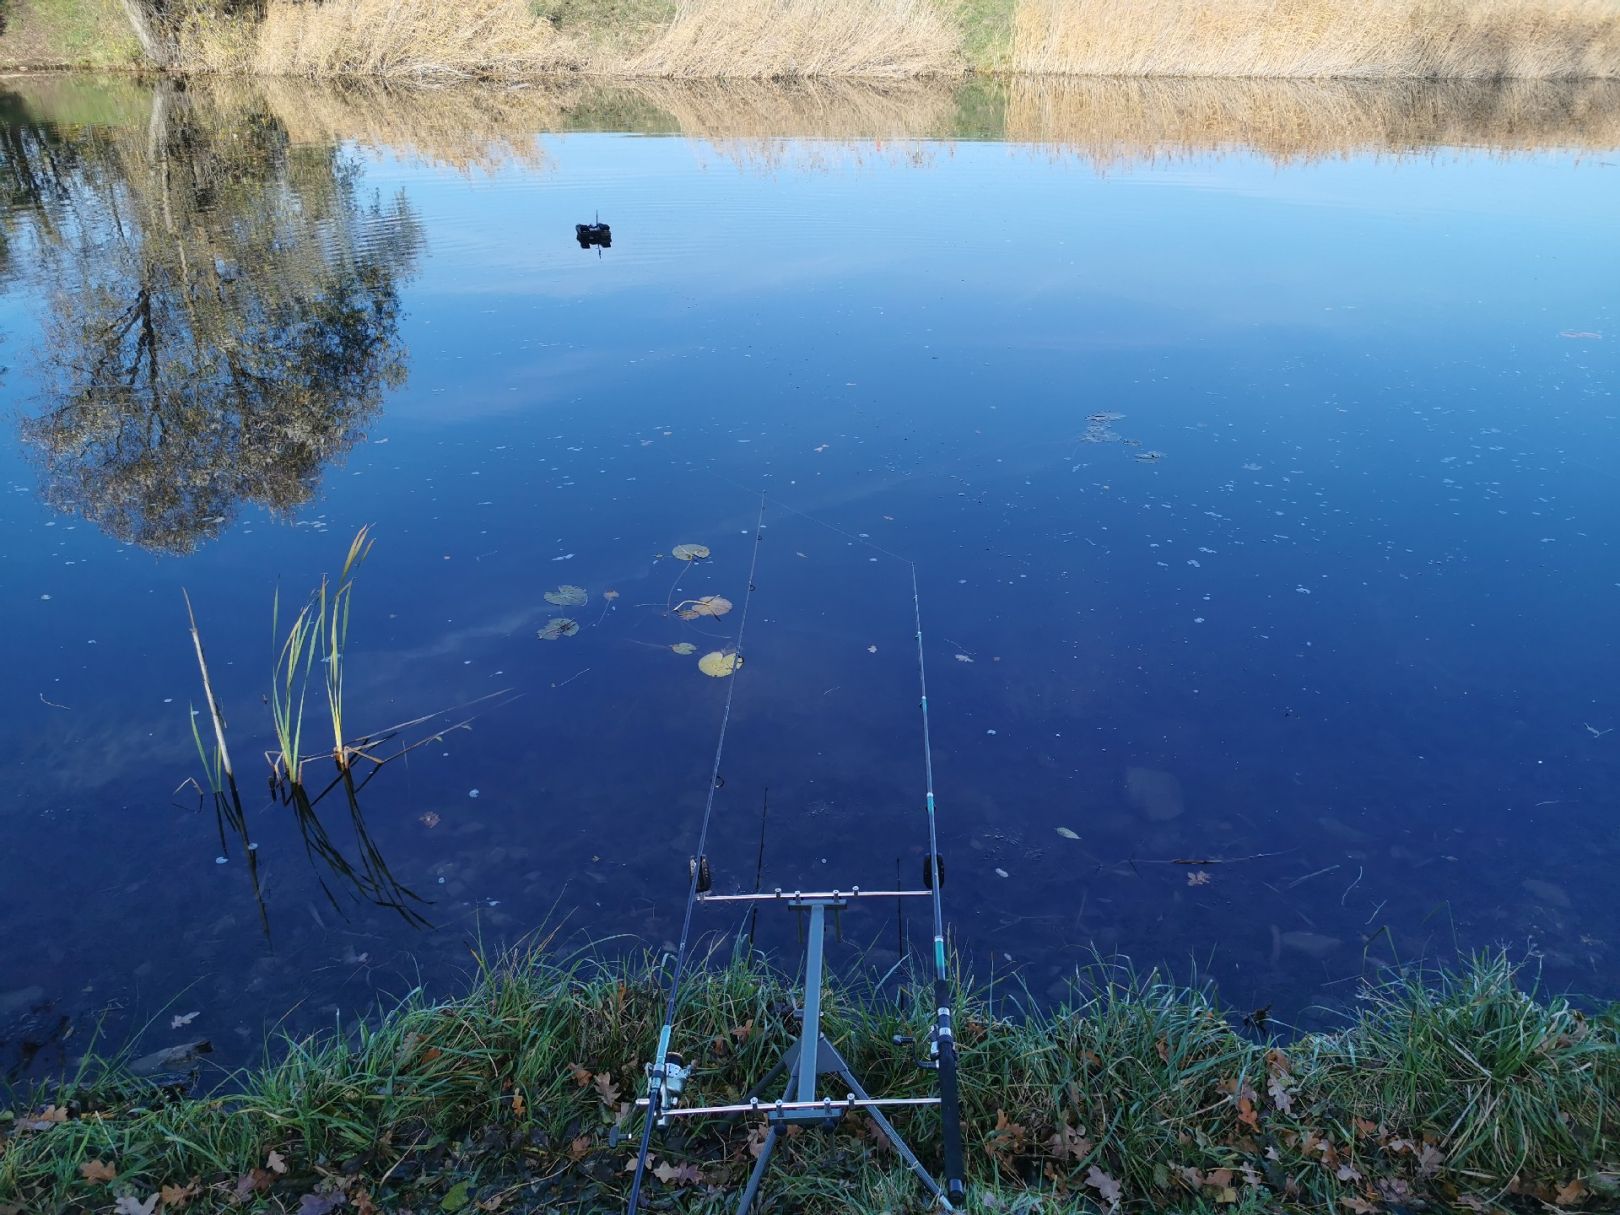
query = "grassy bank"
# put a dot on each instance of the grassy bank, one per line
(1468, 1091)
(65, 33)
(774, 39)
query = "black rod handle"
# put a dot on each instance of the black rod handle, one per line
(950, 1107)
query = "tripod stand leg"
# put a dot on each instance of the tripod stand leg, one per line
(758, 1175)
(884, 1125)
(787, 1064)
(790, 1063)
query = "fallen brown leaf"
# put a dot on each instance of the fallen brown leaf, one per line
(98, 1171)
(1571, 1194)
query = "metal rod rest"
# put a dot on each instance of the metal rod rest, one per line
(766, 1107)
(788, 896)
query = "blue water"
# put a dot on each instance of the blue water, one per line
(1338, 586)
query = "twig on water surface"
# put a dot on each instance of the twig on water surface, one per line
(1202, 860)
(50, 703)
(571, 678)
(1359, 871)
(1301, 880)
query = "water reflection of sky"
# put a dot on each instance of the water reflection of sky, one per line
(1359, 615)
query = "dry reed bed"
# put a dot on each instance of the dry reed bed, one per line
(505, 40)
(1414, 39)
(759, 39)
(779, 39)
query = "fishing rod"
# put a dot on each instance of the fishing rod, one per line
(668, 1072)
(811, 1056)
(942, 1049)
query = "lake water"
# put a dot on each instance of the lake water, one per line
(1257, 448)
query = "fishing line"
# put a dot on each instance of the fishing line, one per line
(661, 1059)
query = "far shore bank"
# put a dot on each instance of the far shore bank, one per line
(524, 40)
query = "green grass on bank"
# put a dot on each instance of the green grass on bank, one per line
(65, 33)
(1469, 1091)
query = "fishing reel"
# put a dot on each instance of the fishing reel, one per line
(930, 1061)
(666, 1082)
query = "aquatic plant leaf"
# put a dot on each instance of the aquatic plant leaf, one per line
(709, 605)
(1198, 879)
(610, 596)
(1068, 834)
(428, 819)
(560, 626)
(689, 552)
(181, 1020)
(684, 647)
(568, 596)
(719, 664)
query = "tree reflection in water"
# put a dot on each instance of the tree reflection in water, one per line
(223, 312)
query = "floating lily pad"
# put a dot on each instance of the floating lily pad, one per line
(709, 605)
(689, 552)
(568, 596)
(560, 626)
(684, 647)
(719, 664)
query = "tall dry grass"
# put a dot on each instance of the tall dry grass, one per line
(1417, 39)
(385, 39)
(765, 39)
(505, 40)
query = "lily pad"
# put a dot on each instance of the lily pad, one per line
(709, 605)
(689, 552)
(568, 596)
(684, 647)
(719, 664)
(560, 626)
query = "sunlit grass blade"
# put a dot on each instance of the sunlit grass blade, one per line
(208, 692)
(334, 610)
(288, 688)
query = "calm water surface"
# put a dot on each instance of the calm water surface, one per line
(1262, 504)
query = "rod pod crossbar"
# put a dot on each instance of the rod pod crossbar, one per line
(807, 1059)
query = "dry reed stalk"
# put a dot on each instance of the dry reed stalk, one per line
(770, 39)
(1415, 39)
(214, 712)
(1123, 121)
(406, 39)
